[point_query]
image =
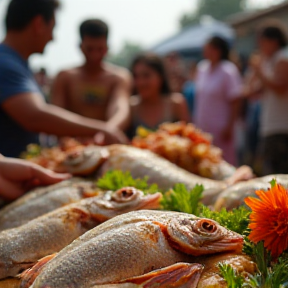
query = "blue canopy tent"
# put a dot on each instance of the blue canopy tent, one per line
(190, 41)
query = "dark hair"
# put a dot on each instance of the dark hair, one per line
(222, 45)
(94, 28)
(156, 63)
(21, 12)
(274, 30)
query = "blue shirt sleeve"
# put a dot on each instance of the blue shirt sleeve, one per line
(15, 79)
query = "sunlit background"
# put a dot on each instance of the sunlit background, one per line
(141, 22)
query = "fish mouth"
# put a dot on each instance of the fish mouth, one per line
(234, 244)
(151, 201)
(220, 246)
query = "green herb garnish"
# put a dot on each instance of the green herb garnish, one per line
(115, 180)
(232, 279)
(270, 274)
(180, 199)
(32, 151)
(236, 220)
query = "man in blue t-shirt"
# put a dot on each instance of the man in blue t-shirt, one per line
(23, 111)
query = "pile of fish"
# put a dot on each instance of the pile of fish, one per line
(137, 249)
(74, 235)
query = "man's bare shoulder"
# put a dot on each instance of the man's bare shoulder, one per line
(68, 73)
(117, 72)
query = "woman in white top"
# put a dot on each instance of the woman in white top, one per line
(218, 89)
(271, 71)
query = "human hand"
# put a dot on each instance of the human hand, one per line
(110, 136)
(256, 63)
(19, 176)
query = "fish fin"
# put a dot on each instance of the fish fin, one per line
(28, 276)
(180, 275)
(82, 216)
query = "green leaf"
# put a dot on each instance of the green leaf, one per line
(273, 183)
(32, 151)
(236, 220)
(270, 275)
(229, 274)
(180, 199)
(115, 180)
(278, 275)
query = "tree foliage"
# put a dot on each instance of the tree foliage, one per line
(218, 9)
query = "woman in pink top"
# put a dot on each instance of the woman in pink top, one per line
(218, 90)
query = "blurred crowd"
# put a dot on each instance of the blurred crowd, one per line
(244, 108)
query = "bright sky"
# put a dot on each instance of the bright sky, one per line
(142, 21)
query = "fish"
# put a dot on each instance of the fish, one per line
(180, 275)
(21, 247)
(204, 274)
(45, 199)
(134, 244)
(141, 163)
(235, 195)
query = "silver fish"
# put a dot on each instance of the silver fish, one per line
(235, 195)
(21, 247)
(134, 244)
(143, 163)
(43, 200)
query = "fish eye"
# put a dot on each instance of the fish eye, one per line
(126, 193)
(206, 225)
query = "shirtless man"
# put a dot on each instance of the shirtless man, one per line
(96, 89)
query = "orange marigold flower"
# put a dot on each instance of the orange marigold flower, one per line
(269, 218)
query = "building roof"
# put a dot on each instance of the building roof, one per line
(193, 37)
(245, 17)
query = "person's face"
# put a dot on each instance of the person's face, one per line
(146, 80)
(94, 49)
(211, 53)
(43, 33)
(267, 46)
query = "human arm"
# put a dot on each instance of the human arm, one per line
(252, 87)
(59, 90)
(118, 112)
(19, 176)
(32, 113)
(278, 83)
(181, 108)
